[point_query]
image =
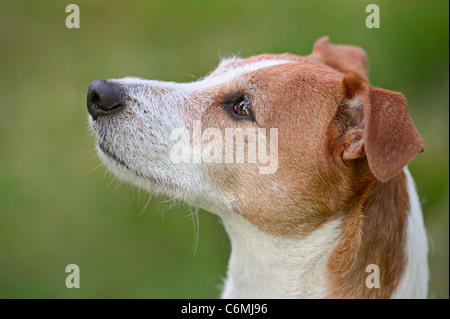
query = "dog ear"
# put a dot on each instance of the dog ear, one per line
(382, 129)
(344, 58)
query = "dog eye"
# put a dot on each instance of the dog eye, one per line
(242, 108)
(239, 106)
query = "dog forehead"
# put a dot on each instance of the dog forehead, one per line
(236, 62)
(225, 74)
(288, 64)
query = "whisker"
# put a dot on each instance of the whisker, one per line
(195, 223)
(150, 197)
(95, 168)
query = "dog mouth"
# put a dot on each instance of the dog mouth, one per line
(113, 156)
(117, 160)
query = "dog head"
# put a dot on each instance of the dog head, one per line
(283, 140)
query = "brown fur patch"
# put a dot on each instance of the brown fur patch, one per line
(373, 233)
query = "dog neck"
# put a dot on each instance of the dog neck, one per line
(331, 260)
(263, 265)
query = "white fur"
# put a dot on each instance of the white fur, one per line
(267, 266)
(414, 281)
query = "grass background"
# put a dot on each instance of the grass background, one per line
(58, 207)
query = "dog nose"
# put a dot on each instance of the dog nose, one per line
(104, 97)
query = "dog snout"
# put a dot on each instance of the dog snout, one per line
(104, 97)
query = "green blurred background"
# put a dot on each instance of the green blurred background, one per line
(59, 206)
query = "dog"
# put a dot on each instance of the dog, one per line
(337, 215)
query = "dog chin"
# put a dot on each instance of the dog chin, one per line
(124, 173)
(153, 185)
